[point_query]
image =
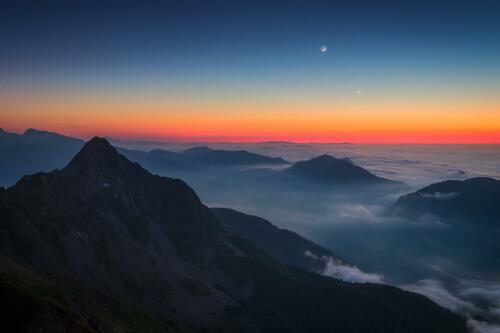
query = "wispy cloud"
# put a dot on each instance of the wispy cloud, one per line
(476, 326)
(439, 195)
(336, 269)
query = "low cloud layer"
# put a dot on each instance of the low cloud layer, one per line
(336, 269)
(437, 292)
(476, 326)
(464, 298)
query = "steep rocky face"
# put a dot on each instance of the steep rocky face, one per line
(112, 224)
(100, 180)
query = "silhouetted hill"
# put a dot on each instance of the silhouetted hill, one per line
(474, 200)
(328, 169)
(113, 227)
(209, 156)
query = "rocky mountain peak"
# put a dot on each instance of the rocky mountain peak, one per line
(97, 155)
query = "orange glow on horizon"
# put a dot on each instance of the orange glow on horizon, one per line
(419, 122)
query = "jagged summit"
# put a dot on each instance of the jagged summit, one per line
(97, 147)
(97, 154)
(102, 182)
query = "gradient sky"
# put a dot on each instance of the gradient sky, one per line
(395, 71)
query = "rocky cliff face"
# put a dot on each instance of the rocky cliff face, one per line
(117, 227)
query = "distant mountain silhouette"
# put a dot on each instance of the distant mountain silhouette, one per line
(196, 159)
(209, 156)
(33, 151)
(287, 246)
(474, 200)
(457, 220)
(160, 161)
(36, 151)
(115, 228)
(330, 170)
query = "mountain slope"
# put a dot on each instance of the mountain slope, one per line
(116, 228)
(456, 220)
(112, 224)
(32, 303)
(286, 246)
(474, 200)
(289, 299)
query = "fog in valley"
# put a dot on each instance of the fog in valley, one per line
(454, 262)
(456, 265)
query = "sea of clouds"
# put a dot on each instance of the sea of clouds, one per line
(377, 247)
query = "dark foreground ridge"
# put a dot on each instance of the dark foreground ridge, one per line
(287, 246)
(114, 235)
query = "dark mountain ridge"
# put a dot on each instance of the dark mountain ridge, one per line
(114, 227)
(230, 157)
(287, 246)
(108, 222)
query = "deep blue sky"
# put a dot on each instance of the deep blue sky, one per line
(255, 50)
(192, 39)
